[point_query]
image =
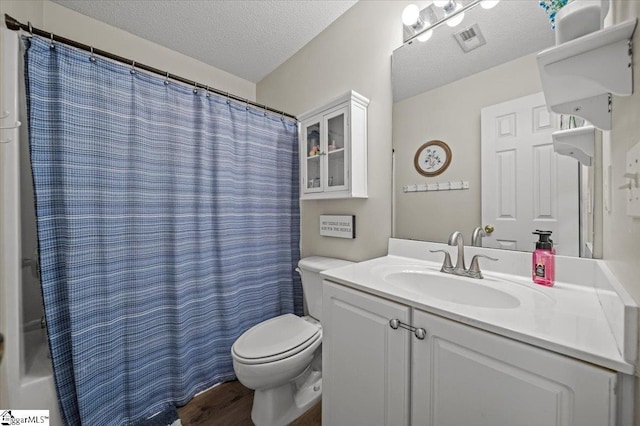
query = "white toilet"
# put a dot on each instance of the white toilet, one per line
(281, 358)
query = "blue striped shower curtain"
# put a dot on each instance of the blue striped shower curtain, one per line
(168, 224)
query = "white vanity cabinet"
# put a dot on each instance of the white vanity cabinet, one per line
(465, 376)
(365, 363)
(458, 375)
(333, 149)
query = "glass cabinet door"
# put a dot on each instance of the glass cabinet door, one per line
(313, 182)
(337, 150)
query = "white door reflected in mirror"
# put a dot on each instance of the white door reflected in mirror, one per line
(525, 184)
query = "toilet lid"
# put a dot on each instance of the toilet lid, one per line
(275, 336)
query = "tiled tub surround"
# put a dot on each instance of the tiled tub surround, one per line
(587, 315)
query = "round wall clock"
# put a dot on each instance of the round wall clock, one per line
(432, 158)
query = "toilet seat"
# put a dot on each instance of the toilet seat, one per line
(276, 339)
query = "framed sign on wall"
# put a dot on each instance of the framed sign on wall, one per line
(340, 226)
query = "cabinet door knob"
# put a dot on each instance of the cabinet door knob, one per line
(421, 333)
(394, 323)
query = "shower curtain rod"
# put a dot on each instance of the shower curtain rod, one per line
(14, 24)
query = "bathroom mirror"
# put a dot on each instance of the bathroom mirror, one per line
(443, 93)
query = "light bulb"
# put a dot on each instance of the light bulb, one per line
(440, 3)
(425, 36)
(410, 15)
(488, 4)
(456, 20)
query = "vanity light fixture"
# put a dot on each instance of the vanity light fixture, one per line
(450, 9)
(419, 24)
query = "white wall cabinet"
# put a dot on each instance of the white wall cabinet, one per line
(459, 375)
(333, 149)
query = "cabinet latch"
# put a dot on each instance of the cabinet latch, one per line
(420, 333)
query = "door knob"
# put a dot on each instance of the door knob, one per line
(489, 229)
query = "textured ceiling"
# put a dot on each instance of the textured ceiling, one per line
(246, 38)
(512, 29)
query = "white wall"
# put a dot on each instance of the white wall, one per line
(65, 22)
(622, 233)
(450, 113)
(352, 53)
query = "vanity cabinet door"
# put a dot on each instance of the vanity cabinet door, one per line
(465, 376)
(365, 363)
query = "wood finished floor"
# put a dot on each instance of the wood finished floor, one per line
(229, 404)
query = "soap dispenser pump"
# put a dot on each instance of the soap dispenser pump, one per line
(543, 268)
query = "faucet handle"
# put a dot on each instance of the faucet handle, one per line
(447, 266)
(474, 268)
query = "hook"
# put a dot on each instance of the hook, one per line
(92, 58)
(30, 28)
(15, 126)
(51, 45)
(207, 94)
(133, 67)
(195, 88)
(166, 79)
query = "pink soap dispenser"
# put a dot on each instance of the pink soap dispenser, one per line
(543, 268)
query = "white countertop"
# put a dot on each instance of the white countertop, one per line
(566, 318)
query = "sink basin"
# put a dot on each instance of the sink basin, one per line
(451, 288)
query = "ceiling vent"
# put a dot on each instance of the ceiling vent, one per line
(470, 38)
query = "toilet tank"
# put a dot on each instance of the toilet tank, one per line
(310, 268)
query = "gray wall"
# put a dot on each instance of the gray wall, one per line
(353, 53)
(621, 232)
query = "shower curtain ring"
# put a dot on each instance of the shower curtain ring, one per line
(133, 67)
(282, 116)
(30, 28)
(228, 101)
(195, 88)
(92, 58)
(207, 94)
(264, 108)
(51, 45)
(246, 104)
(166, 79)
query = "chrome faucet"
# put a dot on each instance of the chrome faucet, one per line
(476, 237)
(456, 239)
